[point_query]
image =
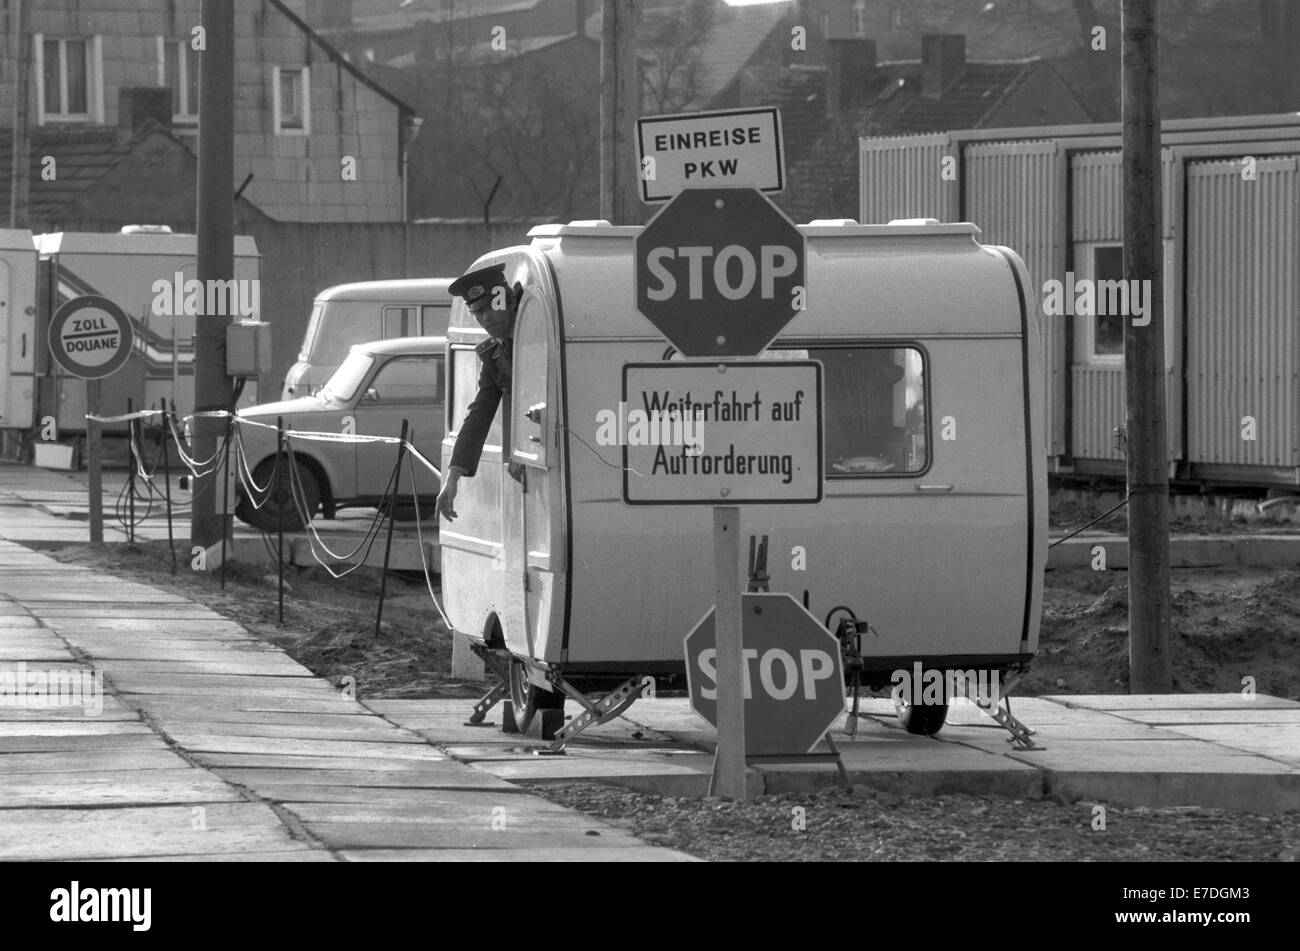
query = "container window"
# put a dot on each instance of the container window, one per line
(874, 408)
(464, 384)
(1108, 328)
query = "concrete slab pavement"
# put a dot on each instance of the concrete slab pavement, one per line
(191, 740)
(1096, 748)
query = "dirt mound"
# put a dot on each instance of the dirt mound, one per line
(1227, 625)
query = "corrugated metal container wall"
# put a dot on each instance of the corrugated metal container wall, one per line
(1097, 195)
(1015, 193)
(904, 178)
(1243, 312)
(1098, 403)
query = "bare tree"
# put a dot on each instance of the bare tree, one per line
(672, 41)
(541, 135)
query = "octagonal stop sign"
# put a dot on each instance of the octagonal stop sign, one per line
(793, 683)
(720, 271)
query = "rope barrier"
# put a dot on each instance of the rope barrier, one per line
(124, 417)
(258, 495)
(424, 562)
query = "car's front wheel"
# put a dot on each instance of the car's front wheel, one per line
(278, 490)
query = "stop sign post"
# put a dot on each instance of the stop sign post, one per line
(792, 675)
(720, 272)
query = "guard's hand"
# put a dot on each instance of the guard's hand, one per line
(446, 500)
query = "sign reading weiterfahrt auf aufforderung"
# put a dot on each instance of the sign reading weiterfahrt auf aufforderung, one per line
(721, 433)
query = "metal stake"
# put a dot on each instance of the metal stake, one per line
(279, 524)
(167, 486)
(388, 545)
(225, 499)
(130, 474)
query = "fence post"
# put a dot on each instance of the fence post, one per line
(392, 505)
(279, 522)
(225, 498)
(167, 484)
(130, 472)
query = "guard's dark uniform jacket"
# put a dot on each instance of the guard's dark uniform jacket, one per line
(493, 383)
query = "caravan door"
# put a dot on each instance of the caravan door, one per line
(530, 431)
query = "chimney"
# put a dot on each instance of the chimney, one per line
(943, 57)
(137, 105)
(852, 72)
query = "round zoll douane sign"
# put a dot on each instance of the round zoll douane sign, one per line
(90, 337)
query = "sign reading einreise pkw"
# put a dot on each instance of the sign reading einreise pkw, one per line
(729, 149)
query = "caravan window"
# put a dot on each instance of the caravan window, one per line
(529, 437)
(876, 421)
(464, 369)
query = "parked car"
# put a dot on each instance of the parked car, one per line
(347, 314)
(377, 386)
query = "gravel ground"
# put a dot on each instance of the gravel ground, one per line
(866, 825)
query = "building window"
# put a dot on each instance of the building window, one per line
(68, 87)
(1108, 326)
(291, 101)
(178, 67)
(860, 18)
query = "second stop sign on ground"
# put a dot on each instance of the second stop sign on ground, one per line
(720, 272)
(793, 685)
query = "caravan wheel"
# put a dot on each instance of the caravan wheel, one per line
(526, 698)
(921, 719)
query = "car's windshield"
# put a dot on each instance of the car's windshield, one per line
(351, 372)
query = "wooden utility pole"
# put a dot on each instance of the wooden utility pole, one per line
(620, 105)
(216, 258)
(21, 163)
(1150, 664)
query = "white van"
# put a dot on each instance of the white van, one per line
(348, 314)
(933, 521)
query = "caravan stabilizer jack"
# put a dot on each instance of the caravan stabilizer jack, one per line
(1020, 733)
(493, 696)
(594, 713)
